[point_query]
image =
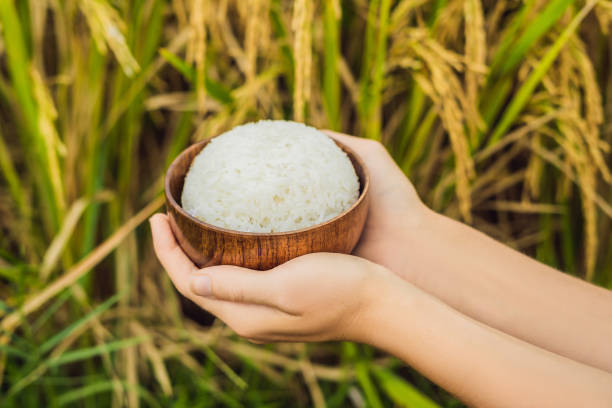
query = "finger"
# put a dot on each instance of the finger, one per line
(361, 145)
(377, 158)
(251, 321)
(385, 172)
(238, 285)
(170, 254)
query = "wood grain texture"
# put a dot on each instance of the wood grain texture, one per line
(209, 245)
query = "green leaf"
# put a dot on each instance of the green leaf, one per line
(363, 376)
(402, 392)
(522, 97)
(331, 80)
(89, 352)
(534, 31)
(178, 63)
(10, 174)
(49, 344)
(81, 393)
(9, 350)
(215, 89)
(218, 91)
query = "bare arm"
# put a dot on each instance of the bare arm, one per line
(481, 365)
(507, 290)
(340, 297)
(478, 276)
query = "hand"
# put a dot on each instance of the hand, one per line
(396, 211)
(314, 297)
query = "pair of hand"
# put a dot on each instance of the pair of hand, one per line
(315, 297)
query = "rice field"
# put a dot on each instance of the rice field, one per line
(498, 111)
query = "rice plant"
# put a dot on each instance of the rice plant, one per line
(498, 111)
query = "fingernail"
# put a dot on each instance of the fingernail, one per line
(200, 285)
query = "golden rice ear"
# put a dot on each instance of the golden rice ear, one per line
(107, 30)
(475, 56)
(447, 94)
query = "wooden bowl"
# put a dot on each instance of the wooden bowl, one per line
(209, 245)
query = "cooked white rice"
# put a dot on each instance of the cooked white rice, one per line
(270, 176)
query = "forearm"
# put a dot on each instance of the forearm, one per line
(511, 292)
(480, 365)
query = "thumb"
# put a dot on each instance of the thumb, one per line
(236, 284)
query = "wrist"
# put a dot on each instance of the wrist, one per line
(389, 302)
(419, 244)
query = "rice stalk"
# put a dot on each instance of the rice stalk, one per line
(590, 226)
(311, 380)
(331, 81)
(197, 50)
(593, 110)
(560, 164)
(14, 184)
(373, 101)
(475, 54)
(154, 356)
(302, 50)
(60, 241)
(401, 392)
(34, 143)
(8, 323)
(533, 174)
(180, 11)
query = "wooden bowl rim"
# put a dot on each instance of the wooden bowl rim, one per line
(177, 207)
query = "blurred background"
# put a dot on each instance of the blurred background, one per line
(498, 111)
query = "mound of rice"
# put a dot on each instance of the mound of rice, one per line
(270, 176)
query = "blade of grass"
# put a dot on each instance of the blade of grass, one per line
(401, 392)
(61, 239)
(53, 341)
(50, 311)
(89, 352)
(512, 51)
(12, 179)
(418, 144)
(567, 241)
(34, 302)
(437, 7)
(414, 109)
(368, 387)
(367, 59)
(14, 351)
(331, 80)
(521, 98)
(181, 135)
(510, 35)
(546, 19)
(71, 357)
(214, 88)
(18, 61)
(80, 394)
(373, 102)
(352, 352)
